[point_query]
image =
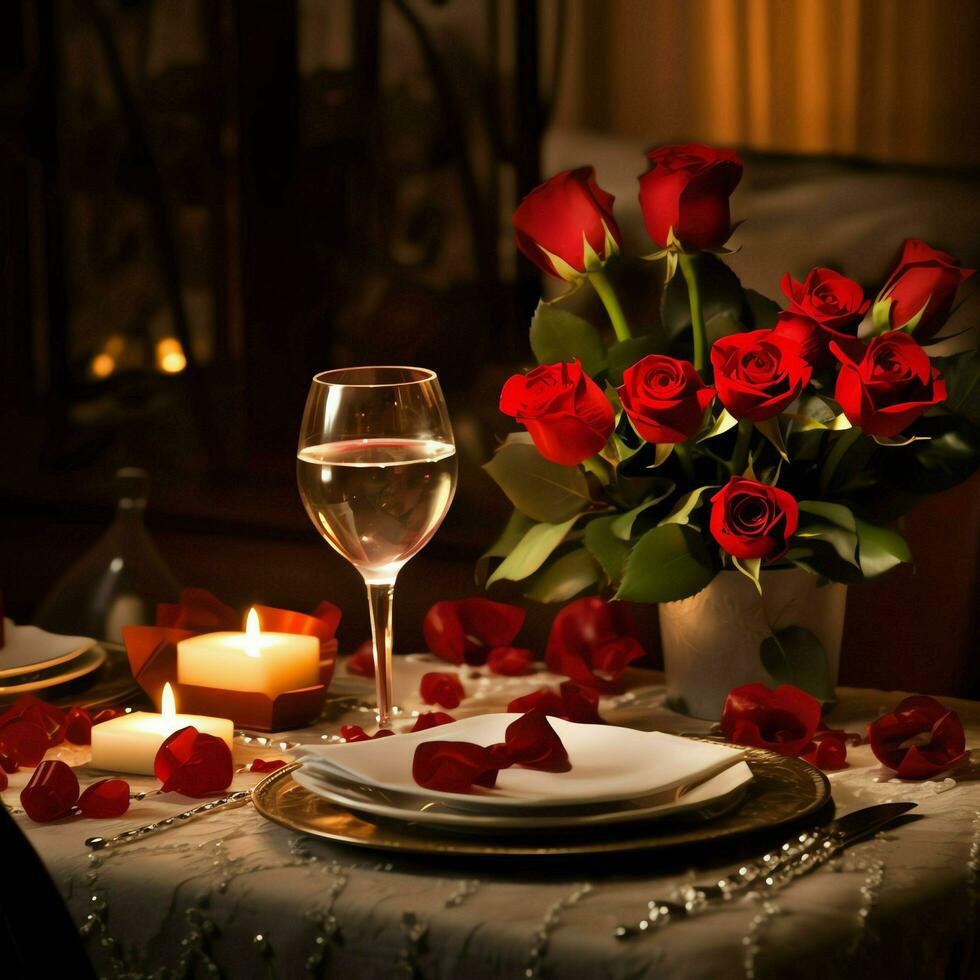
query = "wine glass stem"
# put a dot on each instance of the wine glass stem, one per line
(381, 597)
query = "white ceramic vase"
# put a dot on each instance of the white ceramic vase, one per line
(711, 640)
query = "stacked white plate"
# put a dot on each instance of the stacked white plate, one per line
(617, 775)
(32, 659)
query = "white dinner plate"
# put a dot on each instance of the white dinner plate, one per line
(715, 796)
(607, 763)
(28, 649)
(91, 660)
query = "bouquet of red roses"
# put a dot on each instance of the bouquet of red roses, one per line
(733, 433)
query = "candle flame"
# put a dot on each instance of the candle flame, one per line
(252, 633)
(168, 706)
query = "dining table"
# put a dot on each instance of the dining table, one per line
(234, 894)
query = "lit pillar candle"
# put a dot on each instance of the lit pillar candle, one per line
(130, 742)
(270, 663)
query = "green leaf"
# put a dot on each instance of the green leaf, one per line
(770, 429)
(607, 547)
(750, 567)
(880, 549)
(564, 578)
(795, 656)
(542, 490)
(557, 335)
(531, 552)
(962, 376)
(627, 352)
(723, 423)
(835, 513)
(622, 525)
(686, 505)
(763, 312)
(517, 526)
(804, 423)
(667, 563)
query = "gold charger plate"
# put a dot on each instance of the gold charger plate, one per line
(784, 791)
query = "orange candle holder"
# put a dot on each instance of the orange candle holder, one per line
(152, 653)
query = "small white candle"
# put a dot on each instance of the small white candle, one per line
(130, 742)
(270, 663)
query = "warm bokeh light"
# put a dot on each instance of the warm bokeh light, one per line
(170, 356)
(102, 365)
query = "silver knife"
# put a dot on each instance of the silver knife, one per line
(138, 833)
(798, 856)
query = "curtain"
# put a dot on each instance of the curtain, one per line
(891, 80)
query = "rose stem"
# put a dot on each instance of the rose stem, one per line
(609, 300)
(697, 319)
(741, 455)
(684, 458)
(846, 440)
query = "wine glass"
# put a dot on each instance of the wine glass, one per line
(376, 468)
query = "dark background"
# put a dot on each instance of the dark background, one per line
(202, 204)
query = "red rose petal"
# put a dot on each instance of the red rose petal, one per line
(510, 661)
(104, 799)
(209, 769)
(25, 742)
(354, 733)
(532, 742)
(829, 753)
(78, 727)
(581, 703)
(550, 702)
(174, 752)
(442, 688)
(453, 767)
(32, 709)
(466, 630)
(917, 740)
(783, 720)
(431, 719)
(3, 780)
(7, 764)
(267, 765)
(361, 662)
(51, 792)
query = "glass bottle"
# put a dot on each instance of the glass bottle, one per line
(119, 581)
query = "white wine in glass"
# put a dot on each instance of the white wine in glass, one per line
(376, 468)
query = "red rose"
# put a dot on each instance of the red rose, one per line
(918, 739)
(686, 192)
(361, 661)
(564, 410)
(890, 387)
(783, 720)
(664, 398)
(592, 642)
(442, 688)
(757, 374)
(832, 300)
(753, 520)
(923, 279)
(566, 226)
(466, 630)
(510, 661)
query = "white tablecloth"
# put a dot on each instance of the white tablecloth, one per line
(235, 895)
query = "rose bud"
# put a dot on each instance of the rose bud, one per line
(564, 410)
(664, 398)
(890, 387)
(783, 720)
(686, 193)
(926, 280)
(758, 374)
(753, 520)
(566, 227)
(834, 303)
